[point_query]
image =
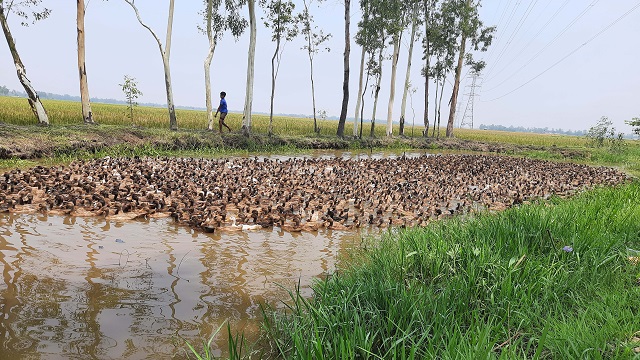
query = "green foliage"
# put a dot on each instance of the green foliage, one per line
(635, 122)
(536, 281)
(131, 93)
(314, 37)
(219, 17)
(27, 10)
(4, 91)
(280, 19)
(603, 134)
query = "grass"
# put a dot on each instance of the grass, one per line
(493, 286)
(16, 111)
(236, 345)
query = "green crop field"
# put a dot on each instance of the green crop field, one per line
(16, 111)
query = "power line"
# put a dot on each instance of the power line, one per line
(513, 34)
(572, 52)
(506, 26)
(552, 40)
(522, 51)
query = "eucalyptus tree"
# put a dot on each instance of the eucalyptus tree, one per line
(470, 29)
(87, 114)
(415, 20)
(363, 39)
(375, 69)
(394, 20)
(217, 21)
(251, 56)
(165, 52)
(428, 10)
(372, 37)
(283, 25)
(314, 39)
(23, 9)
(345, 81)
(443, 50)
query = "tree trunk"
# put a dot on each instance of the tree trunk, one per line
(392, 89)
(375, 97)
(173, 122)
(456, 86)
(359, 101)
(362, 108)
(440, 103)
(345, 83)
(407, 81)
(435, 107)
(207, 68)
(169, 29)
(34, 99)
(273, 83)
(316, 128)
(427, 58)
(246, 116)
(87, 115)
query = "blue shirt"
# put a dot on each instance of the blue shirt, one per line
(223, 106)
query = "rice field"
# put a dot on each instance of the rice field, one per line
(16, 111)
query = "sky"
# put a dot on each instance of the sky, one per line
(553, 63)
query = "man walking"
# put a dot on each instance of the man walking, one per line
(222, 109)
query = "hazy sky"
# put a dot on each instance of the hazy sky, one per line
(526, 83)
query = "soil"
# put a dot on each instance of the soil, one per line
(28, 142)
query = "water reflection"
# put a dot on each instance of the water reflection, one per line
(87, 288)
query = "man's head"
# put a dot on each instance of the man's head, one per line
(223, 94)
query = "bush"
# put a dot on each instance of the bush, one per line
(603, 133)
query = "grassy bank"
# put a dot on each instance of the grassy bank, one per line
(539, 281)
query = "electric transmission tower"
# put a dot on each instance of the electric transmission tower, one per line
(467, 118)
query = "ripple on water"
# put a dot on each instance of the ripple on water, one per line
(71, 290)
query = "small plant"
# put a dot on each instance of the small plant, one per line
(603, 133)
(236, 344)
(322, 115)
(600, 132)
(131, 93)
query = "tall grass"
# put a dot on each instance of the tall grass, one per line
(205, 352)
(535, 282)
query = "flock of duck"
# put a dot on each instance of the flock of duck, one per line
(295, 194)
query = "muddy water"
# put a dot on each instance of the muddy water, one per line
(88, 288)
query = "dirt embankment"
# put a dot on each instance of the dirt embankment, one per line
(28, 142)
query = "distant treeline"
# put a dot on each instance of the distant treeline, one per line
(4, 91)
(535, 130)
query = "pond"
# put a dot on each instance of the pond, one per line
(80, 288)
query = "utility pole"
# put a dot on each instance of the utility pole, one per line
(467, 118)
